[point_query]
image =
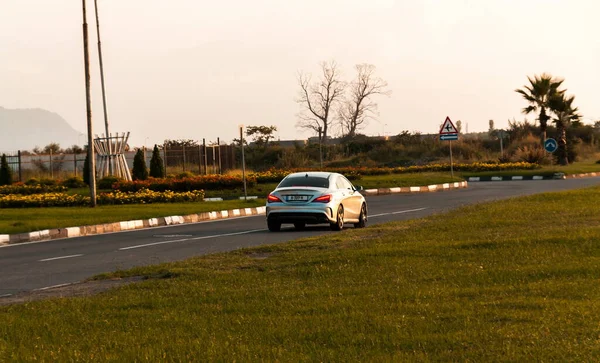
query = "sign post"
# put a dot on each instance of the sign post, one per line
(448, 132)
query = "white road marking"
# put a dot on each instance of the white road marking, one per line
(5, 295)
(190, 239)
(53, 287)
(398, 212)
(59, 258)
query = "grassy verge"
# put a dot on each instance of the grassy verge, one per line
(575, 168)
(510, 281)
(13, 220)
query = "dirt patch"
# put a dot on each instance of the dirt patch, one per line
(77, 289)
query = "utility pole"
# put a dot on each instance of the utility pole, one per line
(243, 161)
(108, 140)
(88, 103)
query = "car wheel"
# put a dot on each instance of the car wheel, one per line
(339, 222)
(274, 226)
(362, 218)
(300, 225)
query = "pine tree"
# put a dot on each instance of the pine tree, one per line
(5, 172)
(140, 171)
(156, 164)
(86, 169)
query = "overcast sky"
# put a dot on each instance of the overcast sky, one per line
(197, 69)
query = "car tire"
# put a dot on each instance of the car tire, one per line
(274, 226)
(362, 218)
(338, 225)
(300, 226)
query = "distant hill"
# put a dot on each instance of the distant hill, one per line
(24, 129)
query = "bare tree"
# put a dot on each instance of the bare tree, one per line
(318, 99)
(358, 107)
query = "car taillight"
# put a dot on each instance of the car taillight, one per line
(323, 199)
(272, 199)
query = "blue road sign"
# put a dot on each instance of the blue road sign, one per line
(550, 145)
(444, 137)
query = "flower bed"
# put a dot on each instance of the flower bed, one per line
(23, 189)
(64, 200)
(354, 173)
(202, 182)
(149, 196)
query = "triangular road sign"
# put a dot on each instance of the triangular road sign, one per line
(448, 127)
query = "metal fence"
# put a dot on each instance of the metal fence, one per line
(201, 159)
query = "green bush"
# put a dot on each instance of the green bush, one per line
(73, 182)
(157, 169)
(86, 169)
(107, 182)
(48, 182)
(185, 174)
(140, 171)
(32, 181)
(23, 189)
(5, 172)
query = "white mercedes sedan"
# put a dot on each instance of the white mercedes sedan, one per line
(316, 198)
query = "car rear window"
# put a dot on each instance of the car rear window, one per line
(304, 181)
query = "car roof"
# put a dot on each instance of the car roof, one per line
(319, 174)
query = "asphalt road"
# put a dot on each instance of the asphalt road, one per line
(26, 267)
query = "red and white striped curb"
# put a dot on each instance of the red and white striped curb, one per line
(70, 232)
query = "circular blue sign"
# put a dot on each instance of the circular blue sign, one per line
(550, 145)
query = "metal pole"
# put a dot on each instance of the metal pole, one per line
(51, 168)
(219, 144)
(91, 156)
(75, 163)
(243, 161)
(110, 156)
(183, 150)
(451, 164)
(320, 152)
(199, 160)
(165, 157)
(205, 157)
(20, 168)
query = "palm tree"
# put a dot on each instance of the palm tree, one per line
(562, 106)
(538, 94)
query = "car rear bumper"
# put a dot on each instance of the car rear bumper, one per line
(308, 217)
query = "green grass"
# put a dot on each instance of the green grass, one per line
(575, 168)
(515, 280)
(15, 220)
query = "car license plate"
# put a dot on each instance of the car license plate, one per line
(297, 198)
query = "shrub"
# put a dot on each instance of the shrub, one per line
(64, 200)
(32, 181)
(139, 172)
(73, 182)
(185, 174)
(86, 169)
(5, 172)
(201, 182)
(23, 189)
(108, 181)
(157, 169)
(48, 181)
